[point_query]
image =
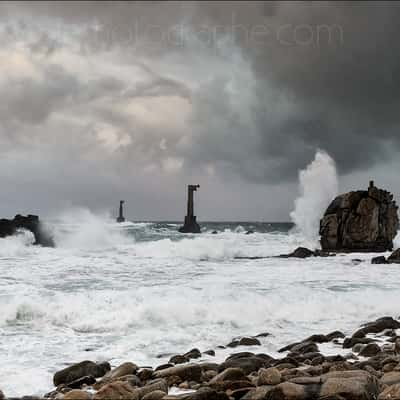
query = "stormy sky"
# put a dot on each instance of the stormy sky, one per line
(111, 100)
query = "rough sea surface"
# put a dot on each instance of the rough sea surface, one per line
(141, 292)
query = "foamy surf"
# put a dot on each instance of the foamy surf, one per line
(139, 291)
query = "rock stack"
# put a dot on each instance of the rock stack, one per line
(31, 223)
(360, 221)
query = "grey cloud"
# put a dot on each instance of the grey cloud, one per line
(259, 105)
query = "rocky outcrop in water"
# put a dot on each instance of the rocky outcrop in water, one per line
(360, 221)
(31, 223)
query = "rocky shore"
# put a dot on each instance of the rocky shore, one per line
(367, 368)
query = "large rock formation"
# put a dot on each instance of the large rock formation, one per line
(364, 220)
(31, 223)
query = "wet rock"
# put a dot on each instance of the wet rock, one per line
(377, 326)
(194, 353)
(78, 383)
(164, 366)
(300, 252)
(379, 260)
(31, 223)
(304, 347)
(292, 391)
(229, 374)
(269, 376)
(394, 258)
(390, 378)
(241, 354)
(349, 343)
(77, 395)
(2, 397)
(127, 368)
(157, 384)
(178, 359)
(190, 372)
(355, 385)
(209, 366)
(247, 364)
(238, 393)
(79, 370)
(117, 391)
(245, 341)
(155, 395)
(370, 350)
(390, 393)
(258, 393)
(261, 335)
(365, 220)
(209, 353)
(145, 374)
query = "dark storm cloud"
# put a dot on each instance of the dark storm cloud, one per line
(240, 90)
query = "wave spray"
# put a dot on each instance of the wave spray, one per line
(318, 186)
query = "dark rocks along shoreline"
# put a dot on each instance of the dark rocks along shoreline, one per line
(370, 369)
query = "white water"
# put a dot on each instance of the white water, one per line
(135, 291)
(318, 185)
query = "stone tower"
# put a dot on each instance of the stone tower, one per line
(190, 225)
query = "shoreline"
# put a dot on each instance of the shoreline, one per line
(366, 365)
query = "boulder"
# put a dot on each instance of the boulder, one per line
(360, 221)
(269, 376)
(31, 223)
(293, 391)
(247, 364)
(390, 378)
(300, 252)
(377, 326)
(258, 393)
(245, 341)
(394, 258)
(2, 397)
(370, 350)
(229, 374)
(379, 260)
(187, 372)
(390, 393)
(80, 370)
(117, 391)
(155, 395)
(178, 359)
(77, 395)
(355, 385)
(124, 369)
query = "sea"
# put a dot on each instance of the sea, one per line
(141, 292)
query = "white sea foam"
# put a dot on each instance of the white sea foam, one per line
(127, 299)
(318, 185)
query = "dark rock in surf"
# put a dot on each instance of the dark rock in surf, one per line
(361, 221)
(379, 260)
(377, 326)
(394, 258)
(9, 227)
(245, 341)
(80, 370)
(300, 252)
(371, 349)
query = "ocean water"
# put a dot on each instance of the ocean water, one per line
(141, 292)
